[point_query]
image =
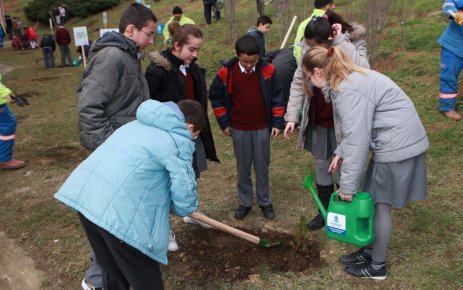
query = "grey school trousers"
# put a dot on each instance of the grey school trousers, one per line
(252, 148)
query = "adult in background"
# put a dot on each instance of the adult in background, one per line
(451, 59)
(111, 89)
(63, 38)
(17, 24)
(208, 10)
(48, 46)
(2, 35)
(259, 31)
(9, 26)
(321, 6)
(177, 15)
(63, 14)
(31, 35)
(7, 130)
(260, 7)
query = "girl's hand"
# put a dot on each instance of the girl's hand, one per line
(335, 164)
(289, 129)
(347, 197)
(337, 29)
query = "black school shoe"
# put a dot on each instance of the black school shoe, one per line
(242, 212)
(357, 258)
(367, 271)
(268, 212)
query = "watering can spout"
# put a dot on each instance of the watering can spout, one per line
(308, 184)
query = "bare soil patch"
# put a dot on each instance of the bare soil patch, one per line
(210, 258)
(17, 270)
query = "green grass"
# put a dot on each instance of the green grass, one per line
(425, 250)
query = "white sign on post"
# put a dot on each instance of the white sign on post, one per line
(105, 19)
(80, 35)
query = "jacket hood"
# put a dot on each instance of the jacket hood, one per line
(116, 39)
(163, 116)
(358, 32)
(158, 59)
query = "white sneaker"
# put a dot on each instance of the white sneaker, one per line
(87, 286)
(173, 246)
(190, 220)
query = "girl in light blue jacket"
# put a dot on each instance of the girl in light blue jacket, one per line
(371, 113)
(123, 192)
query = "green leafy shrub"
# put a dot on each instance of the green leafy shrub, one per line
(39, 10)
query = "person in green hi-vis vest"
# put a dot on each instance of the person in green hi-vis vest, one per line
(177, 13)
(320, 8)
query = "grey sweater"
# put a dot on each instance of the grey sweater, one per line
(372, 113)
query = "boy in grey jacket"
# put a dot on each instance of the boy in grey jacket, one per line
(112, 87)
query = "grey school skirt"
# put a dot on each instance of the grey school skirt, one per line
(396, 183)
(320, 141)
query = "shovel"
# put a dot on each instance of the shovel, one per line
(237, 233)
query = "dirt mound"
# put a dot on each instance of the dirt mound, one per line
(209, 257)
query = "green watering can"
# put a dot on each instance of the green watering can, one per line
(347, 221)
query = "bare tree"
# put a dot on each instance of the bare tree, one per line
(283, 8)
(376, 11)
(403, 10)
(230, 18)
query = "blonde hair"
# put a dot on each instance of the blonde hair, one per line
(335, 63)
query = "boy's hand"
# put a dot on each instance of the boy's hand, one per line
(227, 131)
(275, 132)
(289, 129)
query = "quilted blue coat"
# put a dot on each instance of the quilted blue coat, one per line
(131, 182)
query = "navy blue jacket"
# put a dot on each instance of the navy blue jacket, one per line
(222, 100)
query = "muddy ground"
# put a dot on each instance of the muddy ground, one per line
(210, 258)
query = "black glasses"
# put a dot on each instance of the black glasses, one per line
(150, 35)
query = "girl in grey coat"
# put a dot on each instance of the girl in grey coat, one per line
(371, 113)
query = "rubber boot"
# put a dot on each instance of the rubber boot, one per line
(324, 193)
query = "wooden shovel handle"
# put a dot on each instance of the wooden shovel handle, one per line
(226, 228)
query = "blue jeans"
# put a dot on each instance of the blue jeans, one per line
(450, 68)
(48, 57)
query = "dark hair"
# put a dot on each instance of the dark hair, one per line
(334, 17)
(173, 26)
(321, 3)
(177, 10)
(318, 29)
(264, 19)
(137, 14)
(181, 33)
(194, 114)
(247, 45)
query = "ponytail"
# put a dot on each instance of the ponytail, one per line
(335, 63)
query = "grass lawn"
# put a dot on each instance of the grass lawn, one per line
(426, 250)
